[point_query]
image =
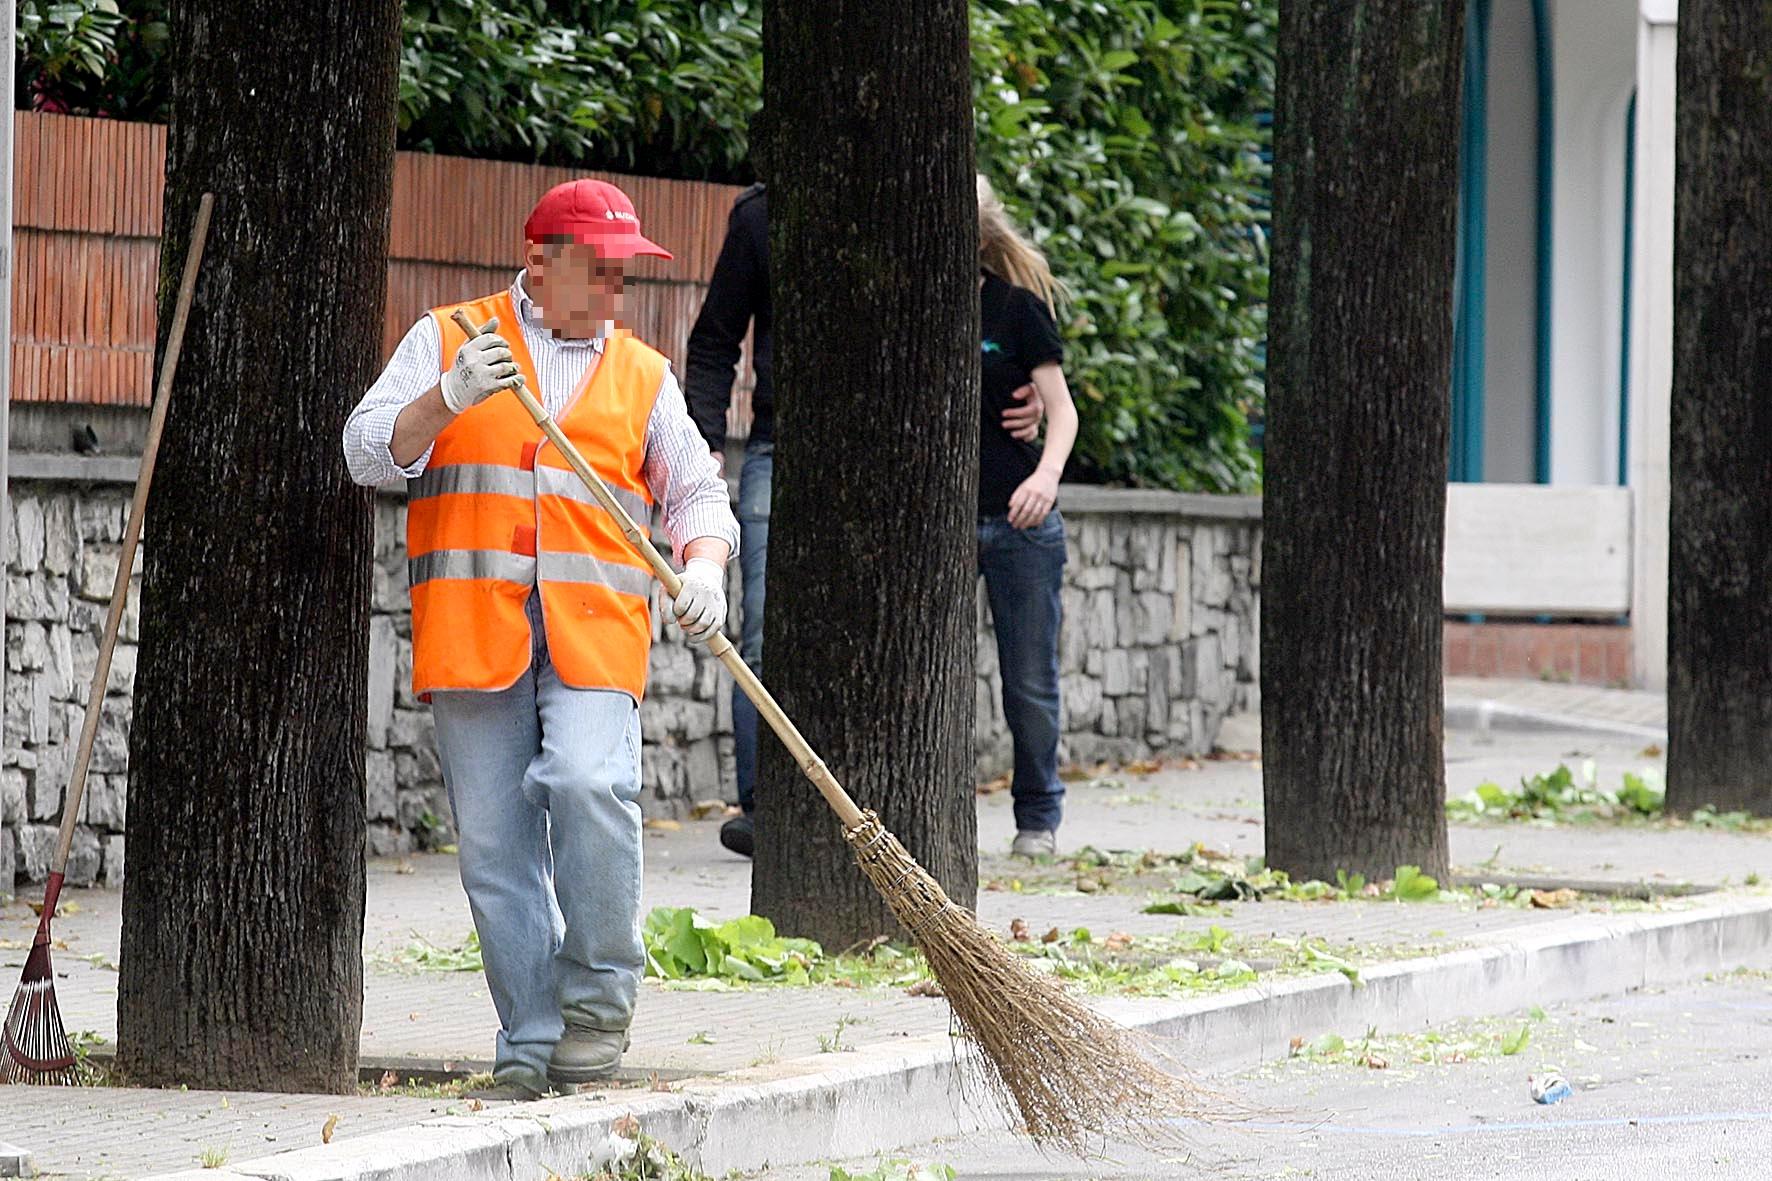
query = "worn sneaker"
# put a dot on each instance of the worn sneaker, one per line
(1034, 842)
(585, 1055)
(739, 835)
(507, 1091)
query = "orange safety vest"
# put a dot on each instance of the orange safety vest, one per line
(497, 512)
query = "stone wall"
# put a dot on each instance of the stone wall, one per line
(1161, 601)
(1161, 617)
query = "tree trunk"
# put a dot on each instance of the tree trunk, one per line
(1359, 370)
(1719, 602)
(869, 640)
(243, 908)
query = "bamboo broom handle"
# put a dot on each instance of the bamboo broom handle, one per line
(101, 672)
(810, 764)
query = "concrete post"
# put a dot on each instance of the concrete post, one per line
(1652, 340)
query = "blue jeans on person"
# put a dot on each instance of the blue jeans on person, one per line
(1023, 571)
(544, 781)
(754, 482)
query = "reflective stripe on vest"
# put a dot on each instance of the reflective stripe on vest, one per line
(470, 563)
(471, 479)
(555, 566)
(564, 482)
(497, 516)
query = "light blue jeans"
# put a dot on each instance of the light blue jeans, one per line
(544, 781)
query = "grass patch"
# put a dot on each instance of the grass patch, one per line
(686, 950)
(639, 1157)
(1564, 796)
(897, 1169)
(1468, 1041)
(422, 955)
(390, 1084)
(1188, 963)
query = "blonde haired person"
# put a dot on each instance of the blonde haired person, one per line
(1020, 533)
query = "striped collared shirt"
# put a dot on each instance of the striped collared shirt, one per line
(678, 469)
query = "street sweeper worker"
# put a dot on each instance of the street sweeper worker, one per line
(531, 614)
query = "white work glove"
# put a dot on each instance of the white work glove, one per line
(483, 366)
(701, 604)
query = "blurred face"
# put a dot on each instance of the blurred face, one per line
(574, 288)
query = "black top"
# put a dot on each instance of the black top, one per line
(1018, 336)
(737, 293)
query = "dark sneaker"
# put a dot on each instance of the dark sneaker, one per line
(738, 835)
(585, 1056)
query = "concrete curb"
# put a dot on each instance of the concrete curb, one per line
(882, 1096)
(1483, 714)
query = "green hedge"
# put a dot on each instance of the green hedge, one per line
(1126, 134)
(1123, 133)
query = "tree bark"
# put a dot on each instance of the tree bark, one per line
(1359, 370)
(1719, 614)
(243, 908)
(869, 640)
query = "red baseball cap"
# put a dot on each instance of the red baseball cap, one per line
(593, 212)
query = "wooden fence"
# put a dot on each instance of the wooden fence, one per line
(87, 209)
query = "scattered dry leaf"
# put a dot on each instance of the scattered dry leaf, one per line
(1296, 1047)
(405, 867)
(702, 809)
(627, 1127)
(476, 1105)
(1144, 766)
(924, 988)
(327, 1130)
(1051, 936)
(1117, 941)
(654, 1083)
(1018, 931)
(1457, 1056)
(1651, 752)
(664, 824)
(1088, 886)
(1376, 1061)
(389, 1080)
(1554, 899)
(844, 982)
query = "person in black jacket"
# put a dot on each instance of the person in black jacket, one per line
(737, 299)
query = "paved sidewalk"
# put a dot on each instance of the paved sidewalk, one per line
(426, 1017)
(1550, 704)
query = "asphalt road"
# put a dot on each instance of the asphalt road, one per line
(1667, 1084)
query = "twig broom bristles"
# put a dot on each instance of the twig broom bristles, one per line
(34, 1046)
(1070, 1074)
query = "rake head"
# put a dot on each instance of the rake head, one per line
(34, 1046)
(1071, 1075)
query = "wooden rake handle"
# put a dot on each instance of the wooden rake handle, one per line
(101, 671)
(810, 764)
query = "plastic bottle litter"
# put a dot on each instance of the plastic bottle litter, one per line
(1549, 1087)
